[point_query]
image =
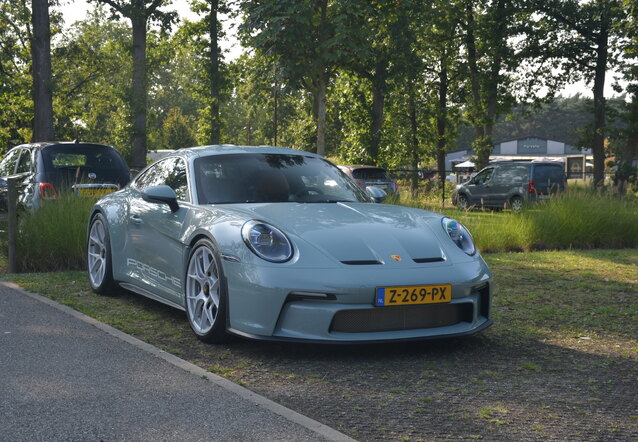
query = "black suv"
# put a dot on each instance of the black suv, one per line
(511, 184)
(43, 170)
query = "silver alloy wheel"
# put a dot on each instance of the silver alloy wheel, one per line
(516, 204)
(97, 253)
(202, 290)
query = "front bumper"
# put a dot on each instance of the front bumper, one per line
(261, 305)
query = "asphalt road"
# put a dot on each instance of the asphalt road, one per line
(64, 376)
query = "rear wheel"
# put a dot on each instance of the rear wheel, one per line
(516, 203)
(205, 295)
(99, 263)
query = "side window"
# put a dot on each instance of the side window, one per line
(176, 179)
(483, 176)
(514, 175)
(171, 172)
(24, 165)
(8, 164)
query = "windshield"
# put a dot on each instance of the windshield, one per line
(258, 178)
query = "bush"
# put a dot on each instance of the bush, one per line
(54, 237)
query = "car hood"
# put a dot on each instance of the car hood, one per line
(356, 233)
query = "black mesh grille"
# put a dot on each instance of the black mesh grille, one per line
(408, 317)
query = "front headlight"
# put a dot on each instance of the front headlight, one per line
(459, 235)
(266, 241)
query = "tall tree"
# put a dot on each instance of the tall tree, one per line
(627, 142)
(207, 34)
(587, 36)
(488, 30)
(140, 12)
(309, 38)
(16, 111)
(41, 71)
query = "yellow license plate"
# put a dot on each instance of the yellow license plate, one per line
(413, 294)
(94, 192)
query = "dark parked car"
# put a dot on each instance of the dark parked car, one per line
(511, 184)
(366, 176)
(45, 169)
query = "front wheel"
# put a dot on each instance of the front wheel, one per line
(462, 202)
(99, 263)
(516, 203)
(205, 295)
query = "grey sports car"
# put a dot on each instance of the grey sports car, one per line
(275, 243)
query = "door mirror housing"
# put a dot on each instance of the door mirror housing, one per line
(163, 195)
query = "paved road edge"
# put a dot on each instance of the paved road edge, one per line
(293, 416)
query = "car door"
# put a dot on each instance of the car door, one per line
(479, 187)
(7, 169)
(154, 231)
(25, 179)
(508, 181)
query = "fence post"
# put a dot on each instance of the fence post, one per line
(12, 223)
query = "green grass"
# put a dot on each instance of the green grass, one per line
(578, 219)
(54, 237)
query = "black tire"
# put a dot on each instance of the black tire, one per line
(205, 311)
(99, 261)
(462, 202)
(516, 204)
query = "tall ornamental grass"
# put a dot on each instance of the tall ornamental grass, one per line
(580, 218)
(54, 236)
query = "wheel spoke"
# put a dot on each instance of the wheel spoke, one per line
(96, 253)
(202, 290)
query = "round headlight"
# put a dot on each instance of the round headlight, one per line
(266, 241)
(459, 235)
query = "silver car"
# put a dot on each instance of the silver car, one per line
(278, 244)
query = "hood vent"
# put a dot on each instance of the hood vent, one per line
(425, 260)
(362, 262)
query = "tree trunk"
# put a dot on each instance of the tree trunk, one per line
(414, 141)
(480, 146)
(322, 86)
(378, 102)
(139, 93)
(41, 72)
(598, 142)
(275, 117)
(441, 126)
(214, 75)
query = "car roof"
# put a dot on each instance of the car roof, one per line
(224, 149)
(525, 162)
(359, 166)
(43, 144)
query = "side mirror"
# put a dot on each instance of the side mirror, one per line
(161, 194)
(377, 194)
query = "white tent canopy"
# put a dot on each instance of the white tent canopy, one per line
(464, 164)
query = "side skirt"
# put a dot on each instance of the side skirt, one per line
(153, 296)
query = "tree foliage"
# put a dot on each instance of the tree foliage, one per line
(393, 83)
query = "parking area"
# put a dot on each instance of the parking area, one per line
(560, 362)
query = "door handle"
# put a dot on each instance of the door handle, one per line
(137, 220)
